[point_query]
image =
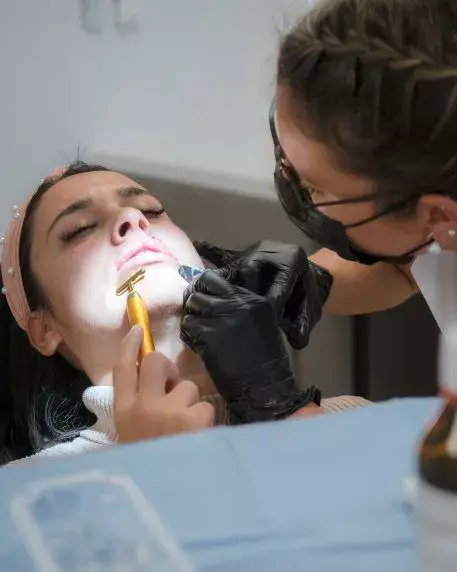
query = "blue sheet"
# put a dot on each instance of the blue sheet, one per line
(311, 495)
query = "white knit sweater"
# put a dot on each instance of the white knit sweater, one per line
(99, 400)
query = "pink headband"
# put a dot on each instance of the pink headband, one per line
(13, 288)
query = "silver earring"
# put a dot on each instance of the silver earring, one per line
(2, 241)
(4, 290)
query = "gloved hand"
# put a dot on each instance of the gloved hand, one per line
(296, 287)
(236, 334)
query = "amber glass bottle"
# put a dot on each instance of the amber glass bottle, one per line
(437, 494)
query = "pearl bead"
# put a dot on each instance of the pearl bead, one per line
(434, 248)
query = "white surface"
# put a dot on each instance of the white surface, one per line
(191, 171)
(188, 88)
(448, 361)
(436, 513)
(436, 276)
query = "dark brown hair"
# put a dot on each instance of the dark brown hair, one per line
(40, 397)
(376, 80)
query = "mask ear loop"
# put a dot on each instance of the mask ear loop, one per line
(388, 210)
(434, 247)
(279, 158)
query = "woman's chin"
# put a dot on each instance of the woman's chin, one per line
(163, 287)
(161, 310)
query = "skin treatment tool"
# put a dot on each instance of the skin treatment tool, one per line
(137, 311)
(190, 273)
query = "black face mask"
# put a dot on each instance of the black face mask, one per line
(326, 231)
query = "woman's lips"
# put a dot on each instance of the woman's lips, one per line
(147, 253)
(146, 258)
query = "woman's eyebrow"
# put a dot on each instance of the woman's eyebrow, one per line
(133, 191)
(71, 209)
(84, 204)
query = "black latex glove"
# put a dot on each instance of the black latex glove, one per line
(296, 287)
(236, 334)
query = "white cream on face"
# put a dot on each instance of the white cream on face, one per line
(80, 275)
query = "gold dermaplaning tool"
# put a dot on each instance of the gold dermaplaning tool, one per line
(137, 311)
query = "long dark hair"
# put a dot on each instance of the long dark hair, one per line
(40, 397)
(376, 80)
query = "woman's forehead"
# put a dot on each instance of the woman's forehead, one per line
(94, 186)
(88, 184)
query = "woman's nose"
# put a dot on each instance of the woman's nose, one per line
(128, 222)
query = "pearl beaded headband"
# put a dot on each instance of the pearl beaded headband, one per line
(13, 287)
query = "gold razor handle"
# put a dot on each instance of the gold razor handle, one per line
(138, 314)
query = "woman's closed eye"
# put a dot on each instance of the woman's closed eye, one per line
(82, 230)
(70, 235)
(153, 212)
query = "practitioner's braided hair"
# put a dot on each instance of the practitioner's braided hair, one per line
(376, 80)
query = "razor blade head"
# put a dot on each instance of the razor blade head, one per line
(127, 286)
(190, 273)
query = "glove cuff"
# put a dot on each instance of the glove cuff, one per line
(240, 414)
(303, 398)
(277, 397)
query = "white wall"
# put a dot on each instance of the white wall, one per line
(188, 90)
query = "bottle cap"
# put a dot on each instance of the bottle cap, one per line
(448, 360)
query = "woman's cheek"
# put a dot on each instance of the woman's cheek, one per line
(86, 285)
(177, 241)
